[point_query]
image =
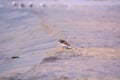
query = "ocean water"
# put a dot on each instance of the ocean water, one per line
(31, 32)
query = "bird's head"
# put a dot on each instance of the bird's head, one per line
(61, 40)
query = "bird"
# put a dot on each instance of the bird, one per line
(42, 4)
(22, 5)
(64, 44)
(14, 3)
(30, 4)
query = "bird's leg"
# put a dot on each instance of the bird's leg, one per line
(66, 47)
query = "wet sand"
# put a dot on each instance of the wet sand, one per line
(31, 35)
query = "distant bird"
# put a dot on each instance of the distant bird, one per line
(14, 3)
(22, 5)
(30, 4)
(64, 44)
(42, 4)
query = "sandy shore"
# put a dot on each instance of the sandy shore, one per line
(75, 64)
(29, 48)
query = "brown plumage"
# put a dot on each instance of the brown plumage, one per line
(64, 43)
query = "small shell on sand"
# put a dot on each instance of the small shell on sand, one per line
(15, 57)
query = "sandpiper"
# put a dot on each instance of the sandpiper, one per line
(30, 4)
(14, 3)
(22, 5)
(64, 44)
(42, 4)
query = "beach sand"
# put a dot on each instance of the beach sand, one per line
(29, 47)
